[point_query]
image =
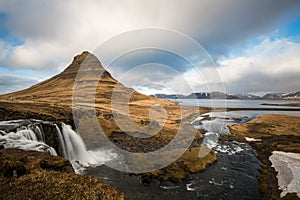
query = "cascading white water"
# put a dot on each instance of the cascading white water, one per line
(24, 139)
(27, 133)
(77, 152)
(71, 145)
(74, 147)
(61, 142)
(39, 133)
(2, 132)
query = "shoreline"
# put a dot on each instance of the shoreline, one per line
(267, 131)
(249, 109)
(284, 104)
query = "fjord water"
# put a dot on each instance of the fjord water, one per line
(235, 103)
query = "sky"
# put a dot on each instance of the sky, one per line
(254, 45)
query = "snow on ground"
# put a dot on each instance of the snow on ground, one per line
(252, 139)
(288, 167)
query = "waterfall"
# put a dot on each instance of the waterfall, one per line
(29, 135)
(61, 142)
(2, 133)
(74, 146)
(25, 139)
(39, 133)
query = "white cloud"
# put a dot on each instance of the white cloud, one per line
(271, 60)
(59, 29)
(54, 31)
(10, 83)
(269, 66)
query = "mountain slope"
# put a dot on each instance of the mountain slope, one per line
(53, 97)
(59, 89)
(52, 100)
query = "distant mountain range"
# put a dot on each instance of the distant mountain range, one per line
(287, 96)
(221, 95)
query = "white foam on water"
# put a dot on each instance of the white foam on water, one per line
(168, 187)
(26, 140)
(71, 145)
(77, 153)
(214, 182)
(189, 187)
(210, 139)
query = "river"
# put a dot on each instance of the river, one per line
(233, 176)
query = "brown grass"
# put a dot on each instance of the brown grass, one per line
(50, 183)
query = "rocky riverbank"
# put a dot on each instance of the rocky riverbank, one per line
(266, 134)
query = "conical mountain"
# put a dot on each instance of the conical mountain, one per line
(58, 90)
(52, 99)
(158, 126)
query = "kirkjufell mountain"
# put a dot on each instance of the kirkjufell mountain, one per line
(58, 90)
(52, 99)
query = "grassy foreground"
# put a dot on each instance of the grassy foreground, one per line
(38, 175)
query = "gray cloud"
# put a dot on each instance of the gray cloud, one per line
(54, 31)
(218, 25)
(155, 58)
(9, 83)
(260, 83)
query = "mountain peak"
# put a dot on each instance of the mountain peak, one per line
(85, 57)
(82, 56)
(62, 84)
(87, 62)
